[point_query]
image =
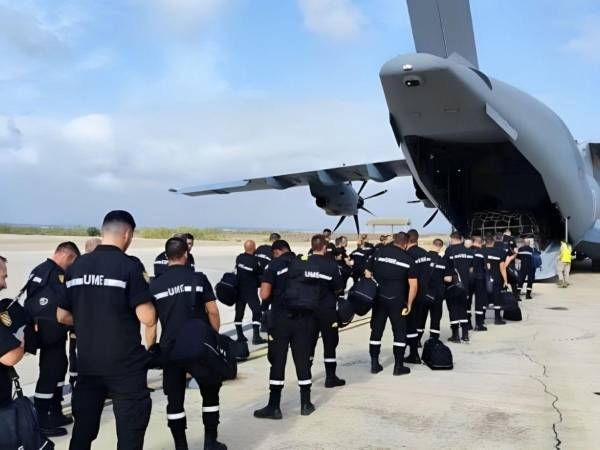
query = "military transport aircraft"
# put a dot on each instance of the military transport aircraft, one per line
(485, 154)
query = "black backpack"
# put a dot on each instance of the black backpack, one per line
(362, 295)
(437, 355)
(302, 287)
(345, 312)
(19, 423)
(226, 289)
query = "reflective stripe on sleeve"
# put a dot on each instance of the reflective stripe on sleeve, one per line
(282, 271)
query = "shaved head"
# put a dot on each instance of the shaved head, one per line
(92, 243)
(250, 246)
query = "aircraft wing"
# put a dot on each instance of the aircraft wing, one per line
(379, 171)
(443, 27)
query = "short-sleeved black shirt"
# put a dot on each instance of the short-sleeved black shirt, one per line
(264, 253)
(330, 279)
(51, 275)
(248, 273)
(493, 257)
(459, 259)
(276, 275)
(438, 271)
(176, 303)
(103, 290)
(392, 267)
(478, 263)
(525, 255)
(161, 262)
(360, 258)
(423, 268)
(7, 343)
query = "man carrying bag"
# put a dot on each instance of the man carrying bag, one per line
(189, 318)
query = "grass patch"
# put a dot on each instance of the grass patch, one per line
(200, 234)
(43, 230)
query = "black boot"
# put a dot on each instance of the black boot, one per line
(306, 407)
(210, 439)
(374, 352)
(256, 338)
(413, 356)
(528, 296)
(331, 379)
(455, 337)
(498, 317)
(272, 410)
(47, 428)
(399, 368)
(480, 327)
(57, 418)
(177, 428)
(240, 333)
(465, 332)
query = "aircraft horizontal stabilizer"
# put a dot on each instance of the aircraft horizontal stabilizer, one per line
(380, 172)
(443, 27)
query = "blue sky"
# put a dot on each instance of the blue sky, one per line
(107, 104)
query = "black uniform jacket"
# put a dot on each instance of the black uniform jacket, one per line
(330, 279)
(392, 267)
(180, 294)
(104, 289)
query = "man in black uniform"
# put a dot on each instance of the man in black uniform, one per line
(495, 266)
(248, 275)
(468, 243)
(330, 247)
(394, 270)
(286, 329)
(415, 321)
(343, 260)
(360, 257)
(434, 298)
(330, 281)
(107, 298)
(11, 344)
(51, 338)
(180, 295)
(527, 269)
(458, 272)
(479, 281)
(264, 253)
(161, 262)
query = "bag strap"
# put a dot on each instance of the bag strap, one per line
(14, 376)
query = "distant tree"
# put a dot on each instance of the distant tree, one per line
(93, 231)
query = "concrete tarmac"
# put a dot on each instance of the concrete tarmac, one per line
(524, 385)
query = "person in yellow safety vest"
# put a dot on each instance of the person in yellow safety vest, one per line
(563, 264)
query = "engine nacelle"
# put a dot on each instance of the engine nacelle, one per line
(336, 200)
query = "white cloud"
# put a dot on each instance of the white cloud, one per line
(93, 131)
(338, 19)
(184, 16)
(587, 43)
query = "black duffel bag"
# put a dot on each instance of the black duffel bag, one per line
(510, 306)
(227, 289)
(19, 425)
(362, 295)
(345, 312)
(513, 275)
(437, 355)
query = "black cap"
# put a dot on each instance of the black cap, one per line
(280, 244)
(119, 216)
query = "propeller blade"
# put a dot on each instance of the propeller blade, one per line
(375, 195)
(339, 223)
(365, 209)
(362, 186)
(431, 218)
(413, 201)
(356, 223)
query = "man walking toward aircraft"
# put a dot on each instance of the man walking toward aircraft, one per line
(563, 265)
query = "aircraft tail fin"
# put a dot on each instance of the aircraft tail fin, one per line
(443, 27)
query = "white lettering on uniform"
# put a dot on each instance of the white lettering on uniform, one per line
(94, 280)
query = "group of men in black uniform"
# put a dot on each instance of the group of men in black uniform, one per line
(106, 292)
